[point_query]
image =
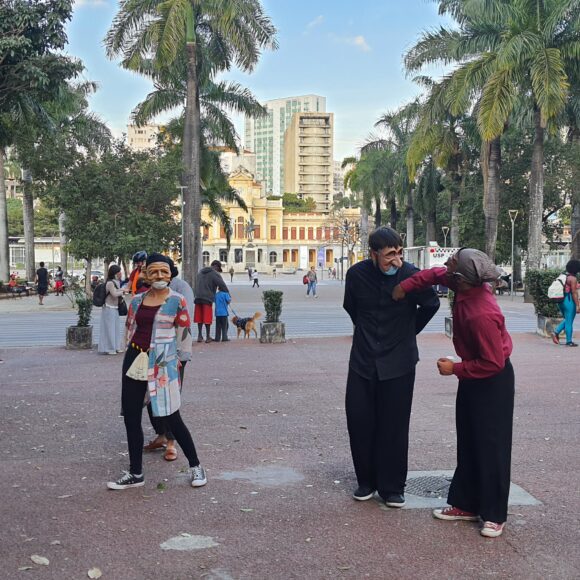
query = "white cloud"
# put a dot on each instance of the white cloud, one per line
(313, 24)
(358, 41)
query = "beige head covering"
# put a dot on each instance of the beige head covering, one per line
(475, 267)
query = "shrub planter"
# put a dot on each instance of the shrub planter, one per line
(449, 326)
(79, 337)
(272, 330)
(546, 325)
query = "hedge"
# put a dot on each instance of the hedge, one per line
(538, 282)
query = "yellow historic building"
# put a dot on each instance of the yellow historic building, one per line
(267, 237)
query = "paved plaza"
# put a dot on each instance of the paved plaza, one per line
(34, 325)
(269, 425)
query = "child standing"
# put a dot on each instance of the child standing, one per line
(222, 299)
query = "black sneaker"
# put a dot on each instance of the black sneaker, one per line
(363, 493)
(395, 500)
(127, 480)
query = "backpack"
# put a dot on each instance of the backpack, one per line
(556, 289)
(100, 294)
(305, 279)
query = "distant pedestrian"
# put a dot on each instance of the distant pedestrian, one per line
(232, 272)
(485, 397)
(41, 281)
(334, 273)
(312, 282)
(110, 331)
(136, 282)
(250, 274)
(569, 307)
(255, 279)
(158, 328)
(59, 282)
(206, 284)
(222, 300)
(274, 271)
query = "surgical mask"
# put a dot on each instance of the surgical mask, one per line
(391, 271)
(160, 285)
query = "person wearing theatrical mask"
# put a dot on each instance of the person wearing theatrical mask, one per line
(485, 396)
(158, 337)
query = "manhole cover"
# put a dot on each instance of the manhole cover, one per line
(434, 486)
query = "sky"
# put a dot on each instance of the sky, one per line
(349, 51)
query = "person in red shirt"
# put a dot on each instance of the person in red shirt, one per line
(485, 397)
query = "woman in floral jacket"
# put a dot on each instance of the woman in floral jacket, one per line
(158, 325)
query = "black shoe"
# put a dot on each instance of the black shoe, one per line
(571, 344)
(363, 492)
(395, 500)
(127, 480)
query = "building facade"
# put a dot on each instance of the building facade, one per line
(308, 162)
(142, 138)
(267, 237)
(265, 137)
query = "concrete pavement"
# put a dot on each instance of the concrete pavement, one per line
(269, 425)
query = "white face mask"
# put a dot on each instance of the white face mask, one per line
(160, 285)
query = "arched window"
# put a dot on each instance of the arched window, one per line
(205, 257)
(223, 255)
(273, 258)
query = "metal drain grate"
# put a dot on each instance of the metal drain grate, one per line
(433, 486)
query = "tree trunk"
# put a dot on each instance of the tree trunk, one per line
(88, 268)
(575, 231)
(377, 212)
(454, 229)
(364, 230)
(430, 233)
(4, 247)
(191, 194)
(63, 242)
(536, 196)
(491, 194)
(410, 240)
(28, 215)
(393, 213)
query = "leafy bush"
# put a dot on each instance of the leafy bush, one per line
(84, 306)
(273, 304)
(538, 282)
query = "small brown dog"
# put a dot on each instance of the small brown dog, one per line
(246, 325)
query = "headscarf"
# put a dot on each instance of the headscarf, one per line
(475, 267)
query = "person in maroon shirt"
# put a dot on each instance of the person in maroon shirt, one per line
(485, 397)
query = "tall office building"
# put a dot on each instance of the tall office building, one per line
(265, 137)
(142, 138)
(308, 163)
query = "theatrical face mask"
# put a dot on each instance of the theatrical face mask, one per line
(388, 260)
(159, 275)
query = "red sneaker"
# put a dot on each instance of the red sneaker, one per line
(452, 513)
(492, 530)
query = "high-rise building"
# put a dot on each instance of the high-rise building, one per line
(265, 137)
(142, 138)
(308, 163)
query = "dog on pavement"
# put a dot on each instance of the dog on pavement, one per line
(246, 325)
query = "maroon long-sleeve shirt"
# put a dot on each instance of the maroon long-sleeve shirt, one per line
(479, 333)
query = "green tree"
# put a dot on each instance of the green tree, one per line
(293, 203)
(224, 32)
(31, 70)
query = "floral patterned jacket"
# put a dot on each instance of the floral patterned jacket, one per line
(170, 343)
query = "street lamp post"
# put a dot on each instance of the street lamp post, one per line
(513, 215)
(445, 230)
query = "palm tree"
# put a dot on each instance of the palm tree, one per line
(513, 50)
(209, 36)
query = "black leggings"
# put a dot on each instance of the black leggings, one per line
(132, 399)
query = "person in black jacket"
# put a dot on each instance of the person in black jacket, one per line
(381, 377)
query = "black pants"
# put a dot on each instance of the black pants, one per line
(132, 399)
(484, 418)
(378, 414)
(160, 424)
(256, 283)
(221, 328)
